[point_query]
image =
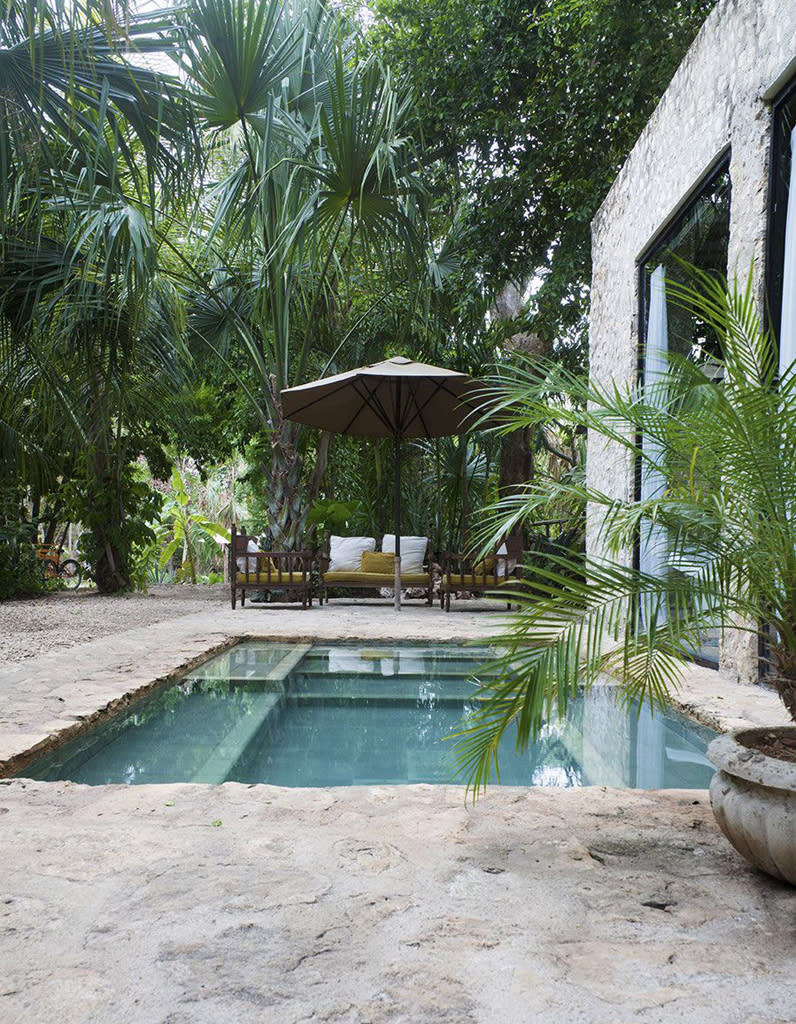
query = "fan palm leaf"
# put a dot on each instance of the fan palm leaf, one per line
(63, 71)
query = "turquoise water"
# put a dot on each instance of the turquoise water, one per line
(347, 715)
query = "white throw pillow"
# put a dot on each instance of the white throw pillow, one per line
(413, 551)
(345, 553)
(249, 564)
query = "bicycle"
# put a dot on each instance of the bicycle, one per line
(67, 570)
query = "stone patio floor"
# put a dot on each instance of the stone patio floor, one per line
(186, 904)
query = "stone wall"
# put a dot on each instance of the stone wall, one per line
(718, 101)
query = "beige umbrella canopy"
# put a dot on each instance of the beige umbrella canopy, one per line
(394, 398)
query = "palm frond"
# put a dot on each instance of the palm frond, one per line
(721, 443)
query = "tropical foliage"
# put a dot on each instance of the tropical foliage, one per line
(88, 339)
(19, 567)
(295, 199)
(720, 440)
(183, 529)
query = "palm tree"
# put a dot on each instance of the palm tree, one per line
(71, 73)
(90, 144)
(315, 180)
(720, 440)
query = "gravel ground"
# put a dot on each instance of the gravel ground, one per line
(43, 624)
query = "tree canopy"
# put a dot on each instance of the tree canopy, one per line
(529, 108)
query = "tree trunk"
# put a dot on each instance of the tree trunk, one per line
(517, 466)
(321, 461)
(104, 515)
(288, 501)
(284, 477)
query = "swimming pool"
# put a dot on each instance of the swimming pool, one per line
(358, 714)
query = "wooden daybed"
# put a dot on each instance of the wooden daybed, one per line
(359, 579)
(466, 574)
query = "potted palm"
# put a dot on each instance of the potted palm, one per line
(716, 446)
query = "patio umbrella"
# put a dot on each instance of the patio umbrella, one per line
(395, 398)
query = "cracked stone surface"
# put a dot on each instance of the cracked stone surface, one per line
(188, 904)
(381, 904)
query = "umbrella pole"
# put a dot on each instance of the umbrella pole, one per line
(397, 521)
(465, 549)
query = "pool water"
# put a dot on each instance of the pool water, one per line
(348, 715)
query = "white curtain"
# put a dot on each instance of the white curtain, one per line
(653, 546)
(787, 328)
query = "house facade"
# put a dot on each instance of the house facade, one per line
(708, 181)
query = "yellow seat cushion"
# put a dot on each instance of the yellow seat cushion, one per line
(378, 562)
(376, 579)
(485, 567)
(468, 580)
(287, 579)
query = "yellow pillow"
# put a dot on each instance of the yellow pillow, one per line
(382, 562)
(485, 567)
(264, 565)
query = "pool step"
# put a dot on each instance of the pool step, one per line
(254, 673)
(382, 676)
(343, 682)
(326, 699)
(226, 754)
(280, 672)
(218, 766)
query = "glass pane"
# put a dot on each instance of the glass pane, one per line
(700, 237)
(784, 122)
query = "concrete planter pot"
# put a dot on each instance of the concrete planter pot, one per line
(754, 801)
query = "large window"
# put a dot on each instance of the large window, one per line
(781, 249)
(698, 236)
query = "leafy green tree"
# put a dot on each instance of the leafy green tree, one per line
(721, 439)
(530, 107)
